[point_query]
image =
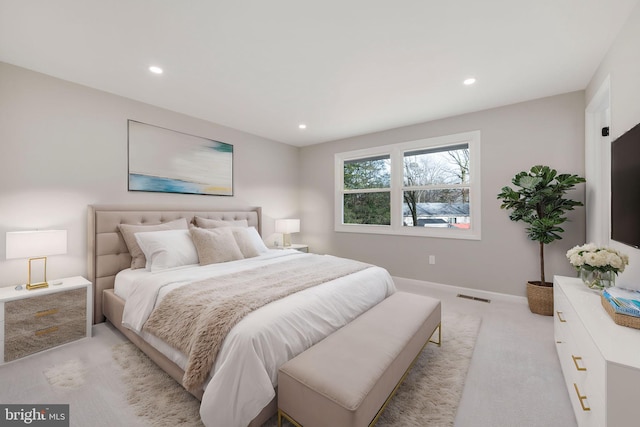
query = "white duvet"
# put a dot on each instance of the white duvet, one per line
(246, 369)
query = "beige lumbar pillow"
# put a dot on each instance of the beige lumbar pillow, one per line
(244, 241)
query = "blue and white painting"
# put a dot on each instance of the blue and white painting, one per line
(167, 161)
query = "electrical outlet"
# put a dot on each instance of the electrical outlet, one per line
(432, 259)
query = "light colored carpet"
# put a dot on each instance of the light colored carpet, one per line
(68, 375)
(429, 395)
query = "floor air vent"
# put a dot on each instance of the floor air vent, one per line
(473, 298)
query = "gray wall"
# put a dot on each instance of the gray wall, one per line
(64, 146)
(622, 66)
(514, 138)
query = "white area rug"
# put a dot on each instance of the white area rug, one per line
(68, 375)
(431, 392)
(153, 394)
(429, 395)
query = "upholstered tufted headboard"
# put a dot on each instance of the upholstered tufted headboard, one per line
(107, 251)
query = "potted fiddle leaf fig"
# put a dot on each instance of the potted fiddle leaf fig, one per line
(539, 201)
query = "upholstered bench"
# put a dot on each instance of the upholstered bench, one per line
(348, 378)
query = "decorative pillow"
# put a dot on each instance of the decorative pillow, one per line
(215, 246)
(258, 243)
(128, 233)
(244, 241)
(216, 223)
(167, 249)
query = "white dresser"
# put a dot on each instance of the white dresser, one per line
(600, 360)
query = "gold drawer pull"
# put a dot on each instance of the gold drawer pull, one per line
(46, 312)
(46, 331)
(581, 398)
(559, 313)
(575, 362)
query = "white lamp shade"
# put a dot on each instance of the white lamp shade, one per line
(287, 226)
(31, 244)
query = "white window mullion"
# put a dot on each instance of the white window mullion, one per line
(397, 178)
(339, 191)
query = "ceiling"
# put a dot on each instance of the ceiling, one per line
(342, 67)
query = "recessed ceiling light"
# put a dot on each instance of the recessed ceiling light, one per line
(469, 81)
(302, 126)
(155, 70)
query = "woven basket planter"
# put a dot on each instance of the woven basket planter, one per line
(540, 299)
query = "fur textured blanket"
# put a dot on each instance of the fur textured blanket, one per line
(196, 318)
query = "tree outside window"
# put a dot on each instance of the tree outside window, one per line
(372, 206)
(436, 191)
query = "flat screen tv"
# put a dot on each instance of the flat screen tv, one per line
(625, 188)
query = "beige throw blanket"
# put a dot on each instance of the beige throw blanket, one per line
(196, 318)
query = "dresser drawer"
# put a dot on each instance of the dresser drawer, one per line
(587, 361)
(582, 365)
(45, 308)
(20, 345)
(43, 320)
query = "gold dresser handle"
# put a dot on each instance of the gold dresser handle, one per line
(581, 398)
(46, 312)
(575, 362)
(46, 331)
(559, 313)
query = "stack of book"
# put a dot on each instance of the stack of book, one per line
(623, 301)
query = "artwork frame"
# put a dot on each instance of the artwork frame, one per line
(168, 161)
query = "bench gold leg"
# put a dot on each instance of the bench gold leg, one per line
(439, 342)
(282, 414)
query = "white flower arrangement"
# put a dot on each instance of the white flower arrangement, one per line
(597, 258)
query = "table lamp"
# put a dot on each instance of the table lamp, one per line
(36, 245)
(286, 227)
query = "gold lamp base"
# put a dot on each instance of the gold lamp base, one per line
(40, 285)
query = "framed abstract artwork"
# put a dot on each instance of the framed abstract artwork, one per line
(167, 161)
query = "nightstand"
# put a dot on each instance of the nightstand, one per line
(296, 246)
(40, 319)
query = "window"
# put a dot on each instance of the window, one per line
(367, 196)
(429, 187)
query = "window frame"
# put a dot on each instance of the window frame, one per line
(396, 153)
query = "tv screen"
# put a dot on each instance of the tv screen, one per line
(625, 188)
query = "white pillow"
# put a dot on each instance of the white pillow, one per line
(167, 249)
(128, 234)
(258, 243)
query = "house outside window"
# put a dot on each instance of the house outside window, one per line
(429, 187)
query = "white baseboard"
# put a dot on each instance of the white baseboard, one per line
(422, 287)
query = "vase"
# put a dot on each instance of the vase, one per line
(596, 279)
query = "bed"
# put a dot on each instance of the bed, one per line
(239, 389)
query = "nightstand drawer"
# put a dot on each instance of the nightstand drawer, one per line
(49, 308)
(20, 345)
(43, 320)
